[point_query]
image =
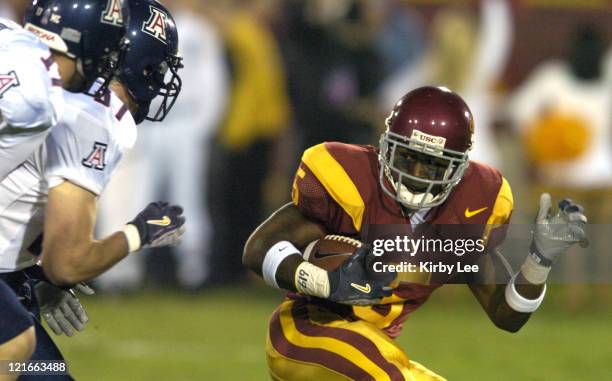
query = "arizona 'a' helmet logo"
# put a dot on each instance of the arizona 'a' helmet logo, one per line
(8, 81)
(156, 24)
(112, 13)
(97, 158)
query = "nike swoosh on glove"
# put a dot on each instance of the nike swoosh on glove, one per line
(159, 224)
(355, 283)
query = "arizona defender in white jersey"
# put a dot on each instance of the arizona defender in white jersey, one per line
(30, 94)
(38, 60)
(55, 191)
(84, 149)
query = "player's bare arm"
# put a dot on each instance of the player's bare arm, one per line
(286, 224)
(274, 252)
(491, 295)
(509, 305)
(70, 254)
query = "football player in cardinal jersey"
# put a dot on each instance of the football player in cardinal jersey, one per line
(63, 44)
(55, 190)
(329, 329)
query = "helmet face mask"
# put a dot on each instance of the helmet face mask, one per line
(166, 85)
(420, 165)
(417, 167)
(398, 170)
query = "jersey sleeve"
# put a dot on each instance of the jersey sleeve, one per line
(87, 160)
(311, 198)
(30, 86)
(325, 193)
(499, 220)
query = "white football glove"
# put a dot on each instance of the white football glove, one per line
(554, 234)
(61, 309)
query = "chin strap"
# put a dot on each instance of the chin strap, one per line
(414, 198)
(404, 195)
(79, 67)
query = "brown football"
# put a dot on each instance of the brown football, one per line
(330, 251)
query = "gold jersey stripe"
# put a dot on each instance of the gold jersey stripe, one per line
(368, 314)
(390, 350)
(295, 192)
(283, 368)
(504, 203)
(336, 181)
(301, 173)
(329, 344)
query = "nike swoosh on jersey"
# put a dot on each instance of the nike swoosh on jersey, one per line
(471, 213)
(165, 221)
(365, 289)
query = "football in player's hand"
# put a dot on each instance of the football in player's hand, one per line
(330, 251)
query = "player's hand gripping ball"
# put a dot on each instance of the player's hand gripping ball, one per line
(349, 265)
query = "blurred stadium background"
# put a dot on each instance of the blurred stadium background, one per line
(265, 79)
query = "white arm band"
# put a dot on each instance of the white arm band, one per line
(132, 236)
(274, 256)
(518, 302)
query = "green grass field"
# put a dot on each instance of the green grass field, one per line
(219, 335)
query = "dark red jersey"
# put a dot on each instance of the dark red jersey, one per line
(337, 186)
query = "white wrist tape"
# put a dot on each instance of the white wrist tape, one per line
(274, 256)
(132, 236)
(533, 271)
(518, 302)
(312, 280)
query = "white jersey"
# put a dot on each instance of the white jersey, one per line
(84, 148)
(31, 99)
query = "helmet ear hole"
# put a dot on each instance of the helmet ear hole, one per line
(163, 67)
(147, 71)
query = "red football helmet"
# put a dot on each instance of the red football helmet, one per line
(424, 151)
